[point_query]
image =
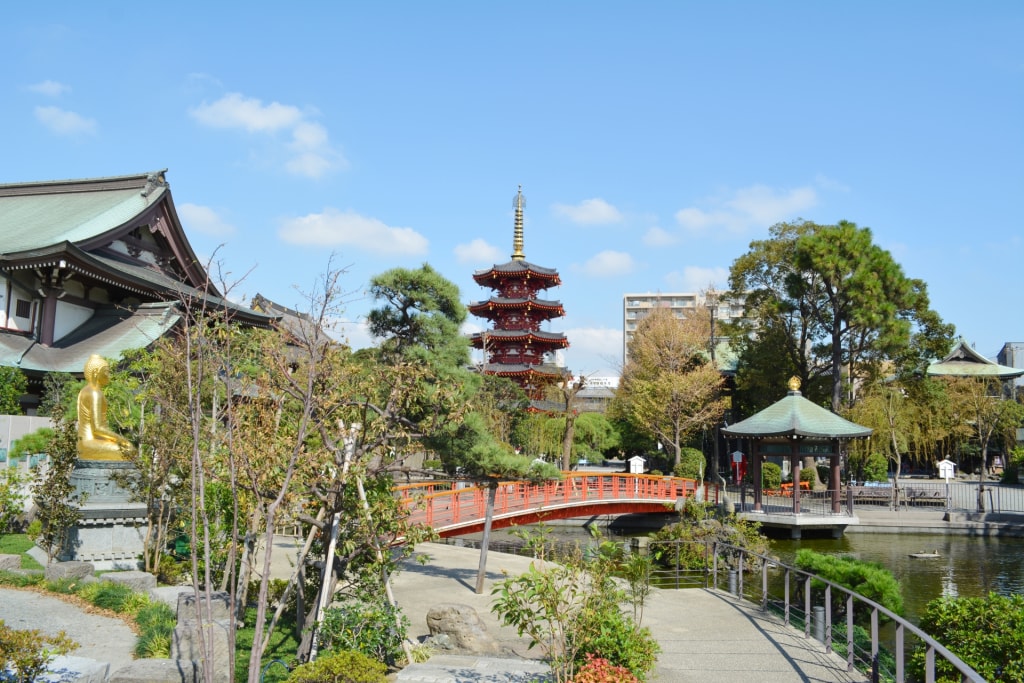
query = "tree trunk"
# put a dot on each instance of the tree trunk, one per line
(567, 438)
(492, 494)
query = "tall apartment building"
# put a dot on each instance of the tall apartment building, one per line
(635, 308)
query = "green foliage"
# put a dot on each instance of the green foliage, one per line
(375, 629)
(606, 632)
(870, 579)
(986, 633)
(573, 608)
(12, 498)
(1015, 467)
(12, 385)
(685, 544)
(691, 464)
(156, 622)
(28, 653)
(876, 468)
(57, 502)
(31, 444)
(771, 476)
(340, 667)
(808, 474)
(600, 670)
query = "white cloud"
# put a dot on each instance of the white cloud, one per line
(248, 113)
(205, 220)
(477, 251)
(657, 237)
(593, 349)
(698, 279)
(757, 206)
(589, 212)
(310, 152)
(609, 263)
(64, 122)
(347, 228)
(50, 88)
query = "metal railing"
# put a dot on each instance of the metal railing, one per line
(812, 602)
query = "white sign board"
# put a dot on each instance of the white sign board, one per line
(946, 469)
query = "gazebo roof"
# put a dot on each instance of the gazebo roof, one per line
(793, 416)
(963, 361)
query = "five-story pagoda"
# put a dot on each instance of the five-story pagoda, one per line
(514, 346)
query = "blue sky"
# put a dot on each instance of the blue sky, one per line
(653, 140)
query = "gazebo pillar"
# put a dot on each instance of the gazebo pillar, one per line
(757, 459)
(834, 484)
(794, 467)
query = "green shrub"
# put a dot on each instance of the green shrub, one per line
(28, 652)
(340, 667)
(809, 474)
(870, 579)
(12, 500)
(771, 476)
(112, 596)
(876, 468)
(607, 633)
(156, 622)
(375, 629)
(986, 633)
(691, 464)
(1014, 467)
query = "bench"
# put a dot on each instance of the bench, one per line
(871, 494)
(930, 496)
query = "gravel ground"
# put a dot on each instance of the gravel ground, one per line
(101, 638)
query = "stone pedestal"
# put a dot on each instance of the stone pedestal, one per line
(111, 530)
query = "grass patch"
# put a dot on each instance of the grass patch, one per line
(19, 544)
(283, 646)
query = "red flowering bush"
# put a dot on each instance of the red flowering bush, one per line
(600, 670)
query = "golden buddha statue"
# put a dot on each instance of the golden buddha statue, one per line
(96, 441)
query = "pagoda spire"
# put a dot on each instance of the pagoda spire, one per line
(517, 236)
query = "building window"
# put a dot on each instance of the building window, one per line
(23, 309)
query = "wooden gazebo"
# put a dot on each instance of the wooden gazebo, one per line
(795, 427)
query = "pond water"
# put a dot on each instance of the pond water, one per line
(966, 566)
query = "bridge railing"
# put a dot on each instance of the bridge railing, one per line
(818, 605)
(449, 503)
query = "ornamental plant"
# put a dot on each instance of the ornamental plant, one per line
(600, 670)
(340, 667)
(27, 653)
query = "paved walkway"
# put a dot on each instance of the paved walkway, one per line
(704, 635)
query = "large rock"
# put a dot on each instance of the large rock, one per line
(155, 671)
(69, 570)
(9, 562)
(463, 626)
(75, 670)
(169, 595)
(139, 582)
(217, 608)
(186, 644)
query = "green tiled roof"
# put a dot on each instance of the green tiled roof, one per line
(963, 361)
(109, 332)
(795, 416)
(32, 219)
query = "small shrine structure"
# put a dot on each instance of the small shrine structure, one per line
(794, 427)
(515, 346)
(963, 361)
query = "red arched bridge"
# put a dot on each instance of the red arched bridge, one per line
(453, 508)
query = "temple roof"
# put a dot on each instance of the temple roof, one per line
(42, 217)
(108, 332)
(513, 303)
(511, 369)
(517, 269)
(516, 335)
(793, 416)
(964, 361)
